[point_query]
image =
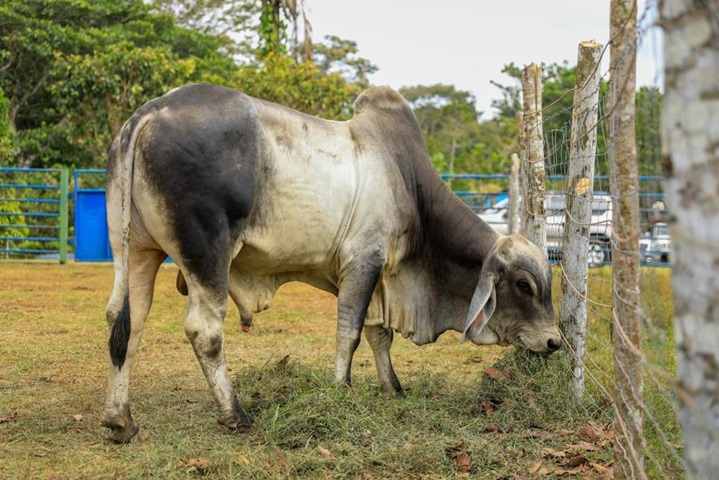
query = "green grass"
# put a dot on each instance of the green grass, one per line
(487, 412)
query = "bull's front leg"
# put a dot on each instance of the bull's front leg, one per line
(355, 292)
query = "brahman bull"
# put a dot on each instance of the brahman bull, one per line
(246, 195)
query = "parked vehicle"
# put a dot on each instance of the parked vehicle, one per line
(656, 244)
(600, 225)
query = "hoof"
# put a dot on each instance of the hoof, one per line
(121, 430)
(237, 424)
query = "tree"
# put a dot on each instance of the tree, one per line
(648, 126)
(5, 132)
(691, 159)
(75, 69)
(341, 56)
(447, 117)
(302, 86)
(235, 22)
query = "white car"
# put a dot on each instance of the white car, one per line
(600, 225)
(656, 244)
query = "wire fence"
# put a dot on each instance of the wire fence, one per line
(654, 438)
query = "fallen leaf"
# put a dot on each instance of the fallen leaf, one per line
(323, 451)
(583, 446)
(493, 428)
(462, 461)
(535, 468)
(487, 408)
(508, 372)
(493, 372)
(77, 417)
(591, 433)
(543, 471)
(281, 462)
(599, 468)
(201, 465)
(565, 433)
(605, 473)
(548, 452)
(282, 363)
(565, 473)
(573, 461)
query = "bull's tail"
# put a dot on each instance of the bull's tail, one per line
(120, 333)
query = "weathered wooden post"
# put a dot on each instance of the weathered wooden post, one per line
(624, 187)
(580, 181)
(534, 224)
(691, 161)
(513, 218)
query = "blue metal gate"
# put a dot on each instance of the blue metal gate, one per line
(34, 213)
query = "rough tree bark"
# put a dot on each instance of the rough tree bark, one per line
(580, 181)
(534, 224)
(624, 187)
(690, 150)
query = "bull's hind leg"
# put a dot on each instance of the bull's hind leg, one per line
(380, 340)
(206, 311)
(125, 319)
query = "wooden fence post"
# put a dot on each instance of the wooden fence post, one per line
(691, 160)
(624, 187)
(580, 181)
(513, 218)
(534, 224)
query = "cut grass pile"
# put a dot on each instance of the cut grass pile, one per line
(487, 412)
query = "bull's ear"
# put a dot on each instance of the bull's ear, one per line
(482, 306)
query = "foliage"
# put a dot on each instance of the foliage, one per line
(234, 22)
(75, 70)
(337, 55)
(6, 148)
(302, 86)
(648, 125)
(456, 140)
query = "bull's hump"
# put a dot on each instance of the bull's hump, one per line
(379, 98)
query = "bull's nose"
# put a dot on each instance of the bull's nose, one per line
(553, 344)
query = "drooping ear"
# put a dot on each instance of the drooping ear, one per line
(482, 305)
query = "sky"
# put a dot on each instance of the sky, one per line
(466, 43)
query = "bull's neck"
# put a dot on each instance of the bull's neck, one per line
(453, 228)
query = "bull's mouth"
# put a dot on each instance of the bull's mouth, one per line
(547, 347)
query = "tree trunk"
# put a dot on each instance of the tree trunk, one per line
(691, 161)
(624, 186)
(580, 179)
(532, 146)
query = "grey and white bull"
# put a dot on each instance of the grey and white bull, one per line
(246, 195)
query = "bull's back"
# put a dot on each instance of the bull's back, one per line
(216, 169)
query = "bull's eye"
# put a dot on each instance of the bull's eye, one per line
(524, 287)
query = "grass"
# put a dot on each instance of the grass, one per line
(487, 412)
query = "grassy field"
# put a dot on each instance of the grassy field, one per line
(486, 412)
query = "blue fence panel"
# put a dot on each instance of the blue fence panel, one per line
(34, 206)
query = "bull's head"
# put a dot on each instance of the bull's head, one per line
(513, 299)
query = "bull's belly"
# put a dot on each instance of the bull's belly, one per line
(252, 261)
